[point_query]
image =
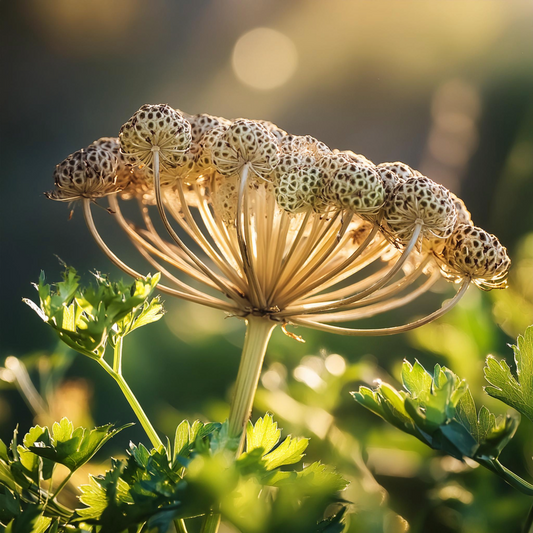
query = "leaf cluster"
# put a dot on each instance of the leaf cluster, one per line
(199, 472)
(27, 503)
(257, 492)
(439, 410)
(86, 319)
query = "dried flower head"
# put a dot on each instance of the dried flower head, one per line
(420, 202)
(285, 228)
(88, 173)
(474, 254)
(155, 127)
(245, 142)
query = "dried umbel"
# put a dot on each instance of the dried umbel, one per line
(88, 173)
(286, 231)
(473, 253)
(155, 128)
(420, 202)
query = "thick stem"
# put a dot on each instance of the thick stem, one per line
(253, 353)
(211, 523)
(135, 405)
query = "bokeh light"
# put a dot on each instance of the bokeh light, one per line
(264, 58)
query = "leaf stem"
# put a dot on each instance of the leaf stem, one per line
(513, 479)
(62, 485)
(117, 355)
(179, 524)
(135, 405)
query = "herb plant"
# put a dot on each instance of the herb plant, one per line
(286, 232)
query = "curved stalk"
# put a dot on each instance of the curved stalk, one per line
(339, 304)
(219, 282)
(385, 331)
(513, 479)
(217, 304)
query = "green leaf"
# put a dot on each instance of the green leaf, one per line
(290, 451)
(181, 439)
(9, 505)
(30, 520)
(416, 379)
(74, 447)
(515, 392)
(34, 465)
(264, 434)
(322, 476)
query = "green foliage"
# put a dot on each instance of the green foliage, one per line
(154, 487)
(515, 392)
(73, 447)
(86, 319)
(27, 504)
(440, 411)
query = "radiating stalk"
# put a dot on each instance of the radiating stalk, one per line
(255, 343)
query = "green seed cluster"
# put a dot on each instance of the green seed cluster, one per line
(300, 172)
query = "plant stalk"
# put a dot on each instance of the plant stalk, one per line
(513, 479)
(211, 523)
(61, 486)
(135, 405)
(258, 333)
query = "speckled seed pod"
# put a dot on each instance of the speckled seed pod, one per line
(389, 179)
(124, 169)
(278, 133)
(203, 123)
(87, 173)
(332, 163)
(155, 126)
(353, 157)
(307, 147)
(473, 253)
(463, 214)
(400, 169)
(286, 163)
(287, 192)
(419, 201)
(245, 142)
(301, 188)
(204, 159)
(356, 187)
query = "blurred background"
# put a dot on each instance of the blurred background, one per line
(446, 87)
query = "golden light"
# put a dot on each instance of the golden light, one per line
(264, 59)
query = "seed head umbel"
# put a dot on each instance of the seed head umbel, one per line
(263, 223)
